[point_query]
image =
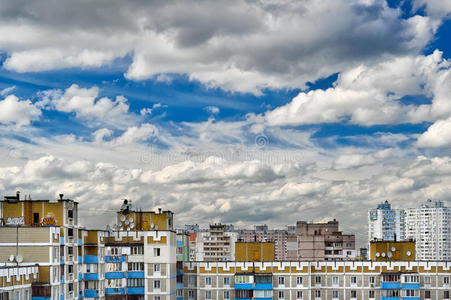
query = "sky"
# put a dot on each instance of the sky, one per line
(236, 111)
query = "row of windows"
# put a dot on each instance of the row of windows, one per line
(318, 294)
(335, 279)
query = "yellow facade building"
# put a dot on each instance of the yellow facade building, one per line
(254, 251)
(392, 251)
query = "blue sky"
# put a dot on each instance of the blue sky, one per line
(339, 102)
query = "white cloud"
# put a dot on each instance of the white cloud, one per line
(236, 45)
(369, 95)
(437, 135)
(137, 134)
(214, 110)
(435, 8)
(87, 105)
(18, 112)
(7, 90)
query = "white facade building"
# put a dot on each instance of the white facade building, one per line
(430, 226)
(385, 223)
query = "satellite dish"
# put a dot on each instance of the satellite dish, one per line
(19, 258)
(130, 220)
(122, 218)
(408, 253)
(126, 222)
(393, 249)
(132, 225)
(156, 227)
(11, 258)
(151, 225)
(383, 254)
(378, 254)
(128, 228)
(389, 254)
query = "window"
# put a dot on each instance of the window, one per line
(157, 268)
(353, 294)
(281, 294)
(334, 294)
(207, 280)
(156, 284)
(372, 279)
(317, 294)
(427, 280)
(298, 280)
(445, 280)
(226, 281)
(36, 218)
(318, 279)
(156, 251)
(299, 295)
(71, 287)
(371, 294)
(335, 280)
(281, 280)
(137, 282)
(71, 269)
(156, 298)
(136, 266)
(427, 294)
(70, 213)
(208, 295)
(70, 232)
(137, 250)
(191, 280)
(190, 294)
(226, 295)
(353, 280)
(445, 294)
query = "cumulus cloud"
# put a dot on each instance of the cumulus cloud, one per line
(435, 8)
(214, 42)
(18, 112)
(372, 94)
(7, 90)
(86, 105)
(437, 135)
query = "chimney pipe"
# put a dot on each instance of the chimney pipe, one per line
(18, 195)
(61, 196)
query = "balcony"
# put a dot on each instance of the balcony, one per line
(80, 277)
(135, 291)
(390, 285)
(91, 294)
(114, 291)
(410, 286)
(91, 276)
(79, 260)
(90, 259)
(244, 286)
(114, 259)
(135, 274)
(61, 240)
(263, 286)
(114, 275)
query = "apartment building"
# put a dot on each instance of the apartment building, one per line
(141, 256)
(386, 223)
(323, 241)
(16, 281)
(43, 232)
(216, 243)
(284, 239)
(430, 226)
(363, 280)
(91, 265)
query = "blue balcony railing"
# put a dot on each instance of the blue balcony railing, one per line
(114, 275)
(91, 294)
(114, 259)
(135, 291)
(91, 276)
(135, 274)
(243, 286)
(114, 291)
(390, 285)
(90, 259)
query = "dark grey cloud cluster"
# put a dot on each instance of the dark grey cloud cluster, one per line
(237, 45)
